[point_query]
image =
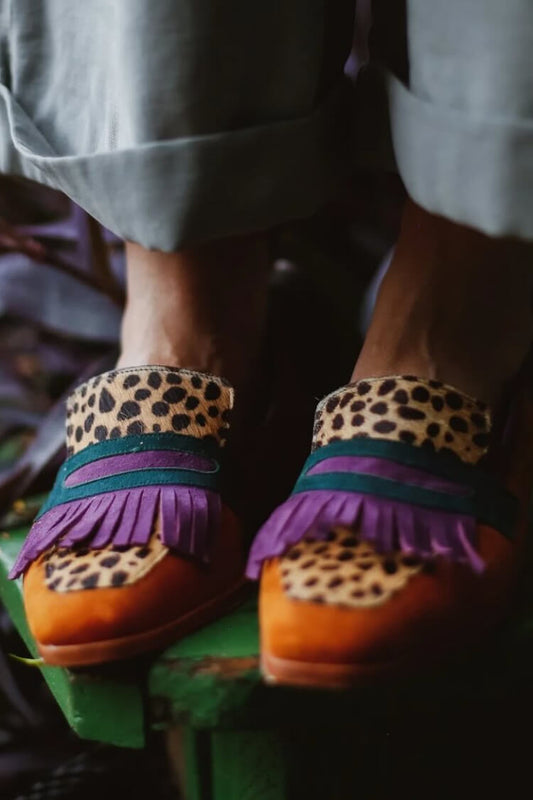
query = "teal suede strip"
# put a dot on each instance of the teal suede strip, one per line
(137, 444)
(444, 465)
(130, 480)
(134, 479)
(488, 503)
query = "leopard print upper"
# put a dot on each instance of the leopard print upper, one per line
(148, 400)
(343, 570)
(426, 413)
(128, 402)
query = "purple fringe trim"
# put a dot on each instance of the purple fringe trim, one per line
(188, 518)
(386, 524)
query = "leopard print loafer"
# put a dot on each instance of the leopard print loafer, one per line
(134, 546)
(402, 538)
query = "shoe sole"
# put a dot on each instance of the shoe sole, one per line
(101, 652)
(316, 675)
(278, 671)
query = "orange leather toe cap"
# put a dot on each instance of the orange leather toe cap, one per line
(172, 588)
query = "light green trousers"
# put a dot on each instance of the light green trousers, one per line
(178, 121)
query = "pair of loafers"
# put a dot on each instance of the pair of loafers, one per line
(401, 540)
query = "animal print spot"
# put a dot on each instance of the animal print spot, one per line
(346, 399)
(180, 421)
(142, 552)
(334, 582)
(363, 387)
(100, 433)
(357, 406)
(90, 581)
(191, 403)
(79, 434)
(401, 396)
(128, 410)
(119, 577)
(212, 391)
(389, 566)
(201, 421)
(379, 408)
(160, 409)
(106, 402)
(349, 541)
(212, 411)
(173, 378)
(88, 423)
(332, 404)
(345, 555)
(142, 394)
(136, 428)
(154, 380)
(174, 395)
(433, 429)
(406, 412)
(453, 400)
(131, 380)
(114, 433)
(91, 401)
(481, 439)
(386, 387)
(357, 420)
(448, 437)
(109, 561)
(338, 422)
(458, 424)
(420, 394)
(156, 428)
(437, 403)
(310, 582)
(478, 420)
(384, 426)
(294, 555)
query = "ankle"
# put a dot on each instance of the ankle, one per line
(202, 308)
(455, 306)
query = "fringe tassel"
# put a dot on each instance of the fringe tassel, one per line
(386, 524)
(188, 518)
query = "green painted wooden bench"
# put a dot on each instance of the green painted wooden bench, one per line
(233, 738)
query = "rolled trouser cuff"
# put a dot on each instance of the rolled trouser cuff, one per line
(473, 169)
(169, 194)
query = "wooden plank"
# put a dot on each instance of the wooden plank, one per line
(96, 706)
(210, 676)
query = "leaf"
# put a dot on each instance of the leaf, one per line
(29, 662)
